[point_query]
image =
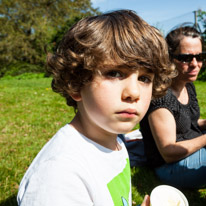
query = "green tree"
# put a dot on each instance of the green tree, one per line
(202, 20)
(28, 25)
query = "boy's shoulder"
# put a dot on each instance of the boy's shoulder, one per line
(69, 147)
(63, 147)
(65, 143)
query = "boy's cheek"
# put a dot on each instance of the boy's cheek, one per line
(146, 102)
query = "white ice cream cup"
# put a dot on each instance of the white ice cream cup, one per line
(165, 195)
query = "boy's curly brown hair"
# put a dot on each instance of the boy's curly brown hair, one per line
(118, 38)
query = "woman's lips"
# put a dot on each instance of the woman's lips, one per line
(193, 73)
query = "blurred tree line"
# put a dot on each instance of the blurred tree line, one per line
(27, 26)
(202, 20)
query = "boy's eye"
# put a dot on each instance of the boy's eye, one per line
(145, 79)
(114, 74)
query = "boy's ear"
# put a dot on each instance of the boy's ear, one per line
(76, 97)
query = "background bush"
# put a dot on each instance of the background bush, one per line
(21, 68)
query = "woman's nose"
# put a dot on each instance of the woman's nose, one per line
(194, 62)
(131, 88)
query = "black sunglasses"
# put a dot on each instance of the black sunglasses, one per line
(189, 57)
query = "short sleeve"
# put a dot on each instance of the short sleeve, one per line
(168, 102)
(48, 186)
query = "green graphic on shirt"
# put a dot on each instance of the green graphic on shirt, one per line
(119, 187)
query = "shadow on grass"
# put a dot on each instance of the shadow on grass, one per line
(11, 201)
(144, 180)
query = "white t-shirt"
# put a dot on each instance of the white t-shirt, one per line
(73, 170)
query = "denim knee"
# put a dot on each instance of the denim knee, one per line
(189, 172)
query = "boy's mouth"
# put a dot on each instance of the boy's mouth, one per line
(128, 113)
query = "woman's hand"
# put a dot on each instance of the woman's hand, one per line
(202, 124)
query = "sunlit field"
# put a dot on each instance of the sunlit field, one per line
(31, 113)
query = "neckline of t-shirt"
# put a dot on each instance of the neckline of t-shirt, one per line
(189, 97)
(99, 146)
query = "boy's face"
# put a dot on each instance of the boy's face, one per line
(115, 101)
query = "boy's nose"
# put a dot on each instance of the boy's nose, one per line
(131, 91)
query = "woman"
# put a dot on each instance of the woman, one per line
(172, 130)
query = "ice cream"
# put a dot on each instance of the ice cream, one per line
(165, 195)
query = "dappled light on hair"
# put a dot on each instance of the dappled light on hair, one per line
(119, 38)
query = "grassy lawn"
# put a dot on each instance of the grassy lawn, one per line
(31, 114)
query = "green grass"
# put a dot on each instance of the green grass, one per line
(31, 114)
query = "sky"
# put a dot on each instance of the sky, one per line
(162, 14)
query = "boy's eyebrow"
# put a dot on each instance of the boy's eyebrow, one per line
(148, 70)
(127, 67)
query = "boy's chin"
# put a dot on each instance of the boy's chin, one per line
(126, 129)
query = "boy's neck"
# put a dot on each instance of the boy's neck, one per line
(104, 138)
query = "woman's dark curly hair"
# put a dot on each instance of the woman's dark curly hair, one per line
(175, 36)
(118, 38)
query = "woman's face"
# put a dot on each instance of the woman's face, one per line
(188, 71)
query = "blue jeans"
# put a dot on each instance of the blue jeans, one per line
(187, 173)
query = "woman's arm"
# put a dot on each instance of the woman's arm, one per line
(163, 127)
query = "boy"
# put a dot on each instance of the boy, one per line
(107, 67)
